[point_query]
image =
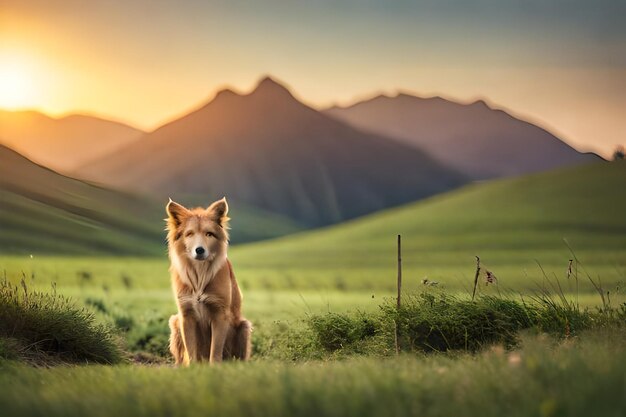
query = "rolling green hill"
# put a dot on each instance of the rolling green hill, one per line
(42, 211)
(511, 224)
(45, 212)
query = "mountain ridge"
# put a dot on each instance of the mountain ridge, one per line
(479, 140)
(48, 140)
(270, 150)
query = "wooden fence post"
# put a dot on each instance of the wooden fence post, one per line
(399, 270)
(476, 277)
(399, 289)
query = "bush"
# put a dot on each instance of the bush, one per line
(46, 328)
(335, 331)
(439, 322)
(563, 318)
(426, 323)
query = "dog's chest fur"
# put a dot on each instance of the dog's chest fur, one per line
(194, 296)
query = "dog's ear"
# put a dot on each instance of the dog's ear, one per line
(219, 212)
(176, 212)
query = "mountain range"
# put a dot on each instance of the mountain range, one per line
(284, 166)
(475, 139)
(268, 150)
(65, 143)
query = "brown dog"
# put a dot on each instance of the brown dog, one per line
(209, 324)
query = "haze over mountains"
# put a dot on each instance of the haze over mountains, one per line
(65, 143)
(473, 138)
(268, 150)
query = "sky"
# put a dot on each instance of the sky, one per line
(559, 64)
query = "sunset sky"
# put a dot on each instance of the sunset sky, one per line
(561, 64)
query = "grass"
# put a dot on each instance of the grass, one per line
(577, 377)
(134, 296)
(128, 295)
(577, 374)
(44, 328)
(434, 321)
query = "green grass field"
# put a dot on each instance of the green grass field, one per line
(575, 378)
(516, 226)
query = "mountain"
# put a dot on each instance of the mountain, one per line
(42, 211)
(477, 140)
(512, 224)
(65, 143)
(268, 150)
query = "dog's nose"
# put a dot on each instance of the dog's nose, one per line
(199, 250)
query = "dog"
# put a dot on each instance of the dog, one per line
(209, 325)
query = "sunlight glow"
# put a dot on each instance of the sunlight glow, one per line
(17, 84)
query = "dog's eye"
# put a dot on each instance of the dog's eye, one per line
(210, 234)
(190, 233)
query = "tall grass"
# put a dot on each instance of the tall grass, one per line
(435, 321)
(43, 328)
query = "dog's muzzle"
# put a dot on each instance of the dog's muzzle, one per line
(200, 253)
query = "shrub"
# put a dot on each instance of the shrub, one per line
(46, 328)
(335, 331)
(440, 322)
(564, 318)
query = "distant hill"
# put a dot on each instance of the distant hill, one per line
(477, 140)
(510, 223)
(268, 150)
(42, 211)
(65, 143)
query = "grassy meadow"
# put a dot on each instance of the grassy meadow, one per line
(525, 231)
(545, 378)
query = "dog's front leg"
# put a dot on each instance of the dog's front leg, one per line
(219, 331)
(190, 339)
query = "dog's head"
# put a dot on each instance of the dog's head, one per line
(199, 234)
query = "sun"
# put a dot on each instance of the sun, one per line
(17, 84)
